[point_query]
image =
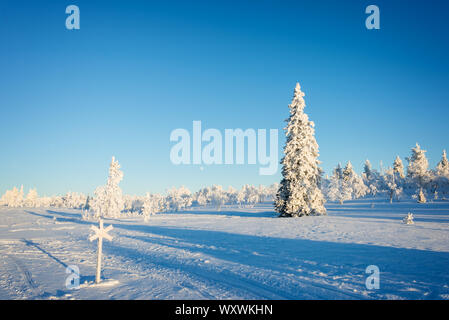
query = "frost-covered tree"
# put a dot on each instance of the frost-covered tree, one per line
(218, 196)
(74, 200)
(179, 199)
(231, 195)
(390, 181)
(32, 199)
(353, 186)
(108, 200)
(398, 168)
(299, 193)
(367, 170)
(201, 198)
(442, 168)
(440, 179)
(417, 167)
(334, 190)
(371, 178)
(13, 198)
(251, 195)
(152, 204)
(57, 202)
(240, 198)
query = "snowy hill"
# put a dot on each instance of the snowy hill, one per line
(235, 253)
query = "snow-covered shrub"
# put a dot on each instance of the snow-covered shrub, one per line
(57, 202)
(408, 219)
(421, 197)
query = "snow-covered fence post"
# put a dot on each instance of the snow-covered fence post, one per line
(100, 233)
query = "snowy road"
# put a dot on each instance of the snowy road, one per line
(235, 253)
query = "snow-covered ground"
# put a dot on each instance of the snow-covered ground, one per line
(235, 253)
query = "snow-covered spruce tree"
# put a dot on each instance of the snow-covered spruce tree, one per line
(108, 200)
(398, 168)
(371, 178)
(417, 167)
(442, 168)
(299, 193)
(367, 170)
(334, 191)
(441, 178)
(353, 183)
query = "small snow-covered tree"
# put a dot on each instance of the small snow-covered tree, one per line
(32, 199)
(353, 186)
(442, 168)
(417, 167)
(57, 202)
(201, 197)
(152, 204)
(367, 170)
(218, 196)
(421, 197)
(408, 219)
(231, 195)
(251, 195)
(371, 178)
(398, 168)
(299, 193)
(74, 200)
(13, 198)
(100, 203)
(390, 178)
(179, 199)
(240, 198)
(440, 178)
(108, 200)
(334, 189)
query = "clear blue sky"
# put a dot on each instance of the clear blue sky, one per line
(136, 70)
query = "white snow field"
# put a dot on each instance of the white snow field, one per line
(234, 253)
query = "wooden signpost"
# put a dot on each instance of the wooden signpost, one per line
(99, 234)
